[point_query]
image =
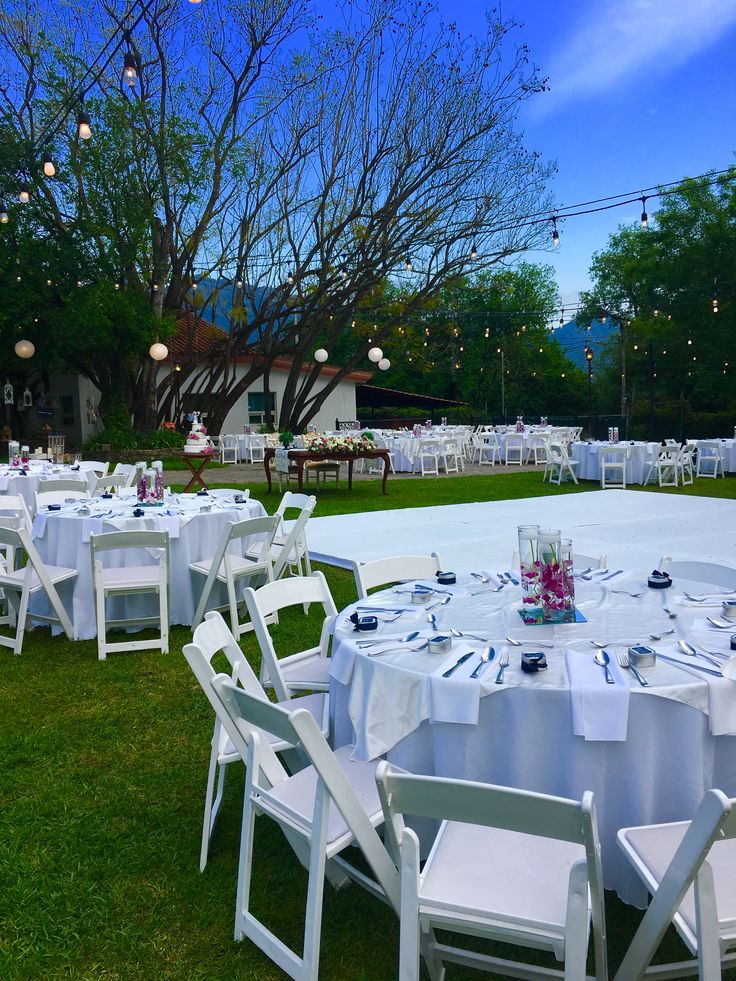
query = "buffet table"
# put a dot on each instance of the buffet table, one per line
(194, 523)
(300, 457)
(647, 753)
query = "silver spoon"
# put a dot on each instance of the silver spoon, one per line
(486, 655)
(529, 643)
(602, 658)
(722, 624)
(596, 643)
(460, 633)
(399, 640)
(669, 613)
(690, 650)
(433, 620)
(625, 592)
(502, 579)
(478, 575)
(665, 633)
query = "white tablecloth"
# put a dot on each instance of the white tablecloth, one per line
(640, 458)
(12, 482)
(62, 539)
(680, 730)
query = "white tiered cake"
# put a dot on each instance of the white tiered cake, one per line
(197, 442)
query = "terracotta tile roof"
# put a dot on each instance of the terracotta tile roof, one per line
(198, 339)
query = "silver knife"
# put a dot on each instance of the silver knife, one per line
(513, 579)
(611, 575)
(690, 667)
(485, 659)
(456, 665)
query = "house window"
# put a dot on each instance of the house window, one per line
(67, 410)
(257, 407)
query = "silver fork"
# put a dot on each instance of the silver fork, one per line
(503, 663)
(465, 633)
(668, 611)
(665, 633)
(623, 659)
(625, 592)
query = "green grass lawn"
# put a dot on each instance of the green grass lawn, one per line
(102, 770)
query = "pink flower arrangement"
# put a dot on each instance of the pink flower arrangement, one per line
(337, 444)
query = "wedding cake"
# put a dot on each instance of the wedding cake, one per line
(197, 442)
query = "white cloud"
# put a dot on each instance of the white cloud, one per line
(618, 40)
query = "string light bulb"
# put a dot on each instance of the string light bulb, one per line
(25, 194)
(562, 317)
(195, 279)
(3, 213)
(48, 165)
(375, 354)
(644, 216)
(239, 280)
(555, 233)
(129, 70)
(321, 355)
(473, 252)
(408, 265)
(84, 128)
(290, 278)
(158, 351)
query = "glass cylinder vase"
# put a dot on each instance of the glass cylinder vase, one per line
(531, 607)
(550, 575)
(568, 580)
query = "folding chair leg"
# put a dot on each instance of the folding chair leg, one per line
(22, 615)
(315, 889)
(212, 801)
(409, 928)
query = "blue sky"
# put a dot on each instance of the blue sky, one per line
(641, 92)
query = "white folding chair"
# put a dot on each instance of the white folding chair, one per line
(508, 865)
(117, 580)
(706, 572)
(228, 447)
(428, 457)
(538, 448)
(307, 670)
(127, 471)
(256, 448)
(613, 466)
(211, 638)
(329, 805)
(20, 584)
(453, 456)
(289, 550)
(710, 460)
(45, 497)
(395, 568)
(109, 484)
(688, 867)
(666, 467)
(14, 506)
(685, 467)
(515, 450)
(97, 466)
(560, 464)
(292, 502)
(230, 569)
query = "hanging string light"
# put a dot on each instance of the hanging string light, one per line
(473, 253)
(48, 165)
(562, 317)
(644, 216)
(84, 128)
(239, 280)
(3, 213)
(129, 70)
(25, 194)
(290, 278)
(555, 233)
(408, 266)
(714, 301)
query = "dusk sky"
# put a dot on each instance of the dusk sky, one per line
(642, 92)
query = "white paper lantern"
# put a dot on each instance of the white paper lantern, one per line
(25, 349)
(321, 355)
(384, 364)
(158, 351)
(375, 354)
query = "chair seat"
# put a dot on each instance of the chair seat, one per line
(310, 672)
(56, 574)
(240, 566)
(652, 849)
(298, 792)
(481, 869)
(314, 704)
(131, 577)
(276, 549)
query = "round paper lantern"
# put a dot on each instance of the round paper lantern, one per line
(321, 355)
(158, 351)
(25, 349)
(375, 354)
(384, 364)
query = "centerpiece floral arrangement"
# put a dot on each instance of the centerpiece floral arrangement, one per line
(319, 443)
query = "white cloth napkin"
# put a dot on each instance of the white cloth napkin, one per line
(457, 698)
(599, 711)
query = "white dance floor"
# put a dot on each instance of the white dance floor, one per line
(633, 528)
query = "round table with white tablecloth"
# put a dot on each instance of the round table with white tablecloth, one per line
(25, 485)
(728, 454)
(62, 539)
(640, 457)
(647, 753)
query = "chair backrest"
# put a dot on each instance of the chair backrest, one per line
(13, 505)
(706, 572)
(113, 481)
(19, 538)
(127, 470)
(290, 500)
(248, 714)
(257, 441)
(59, 496)
(129, 539)
(60, 483)
(395, 568)
(99, 468)
(280, 595)
(524, 812)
